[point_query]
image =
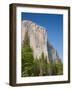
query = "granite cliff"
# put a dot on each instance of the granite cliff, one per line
(38, 41)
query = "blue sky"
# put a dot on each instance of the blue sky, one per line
(53, 23)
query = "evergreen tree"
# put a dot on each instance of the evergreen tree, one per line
(37, 67)
(27, 57)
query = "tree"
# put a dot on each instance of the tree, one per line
(27, 57)
(59, 69)
(37, 67)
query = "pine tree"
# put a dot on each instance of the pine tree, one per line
(27, 57)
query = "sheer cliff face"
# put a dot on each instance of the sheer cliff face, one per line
(52, 53)
(37, 36)
(38, 41)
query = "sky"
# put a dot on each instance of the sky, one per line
(54, 26)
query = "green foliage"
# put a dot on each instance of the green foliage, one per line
(37, 67)
(59, 69)
(27, 58)
(55, 68)
(27, 61)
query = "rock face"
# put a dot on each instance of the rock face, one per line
(38, 40)
(53, 55)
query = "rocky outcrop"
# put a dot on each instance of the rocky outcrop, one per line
(38, 40)
(52, 53)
